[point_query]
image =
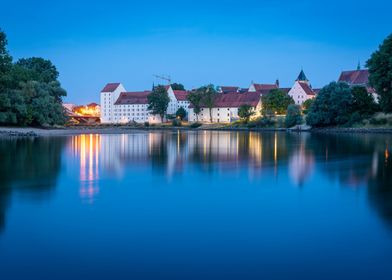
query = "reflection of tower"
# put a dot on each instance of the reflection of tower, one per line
(301, 165)
(87, 147)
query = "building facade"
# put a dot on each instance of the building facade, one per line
(120, 106)
(302, 90)
(226, 107)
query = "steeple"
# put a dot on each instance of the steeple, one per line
(359, 65)
(302, 77)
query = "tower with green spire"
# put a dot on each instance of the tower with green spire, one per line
(359, 65)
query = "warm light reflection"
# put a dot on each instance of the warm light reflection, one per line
(87, 149)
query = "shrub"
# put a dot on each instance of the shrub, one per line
(146, 124)
(181, 113)
(176, 122)
(332, 106)
(293, 116)
(262, 122)
(380, 119)
(195, 125)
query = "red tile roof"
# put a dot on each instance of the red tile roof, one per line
(260, 87)
(181, 95)
(229, 89)
(235, 99)
(308, 90)
(110, 87)
(356, 77)
(139, 97)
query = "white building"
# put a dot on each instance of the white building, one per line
(226, 107)
(302, 90)
(120, 106)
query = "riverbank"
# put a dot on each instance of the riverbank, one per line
(67, 131)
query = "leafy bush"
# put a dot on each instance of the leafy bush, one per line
(381, 119)
(332, 106)
(293, 116)
(195, 125)
(146, 124)
(176, 122)
(181, 113)
(262, 122)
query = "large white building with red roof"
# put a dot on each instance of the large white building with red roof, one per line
(226, 107)
(120, 106)
(302, 90)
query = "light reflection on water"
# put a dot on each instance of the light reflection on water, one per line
(159, 199)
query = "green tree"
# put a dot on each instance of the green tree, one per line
(245, 112)
(293, 116)
(332, 106)
(380, 70)
(363, 102)
(307, 104)
(209, 94)
(195, 99)
(276, 102)
(38, 69)
(181, 113)
(177, 86)
(158, 100)
(5, 79)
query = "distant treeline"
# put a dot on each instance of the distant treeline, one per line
(30, 94)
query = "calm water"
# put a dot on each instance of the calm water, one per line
(188, 205)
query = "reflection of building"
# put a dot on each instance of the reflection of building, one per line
(301, 165)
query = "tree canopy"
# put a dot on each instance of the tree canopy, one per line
(245, 112)
(158, 100)
(332, 106)
(177, 86)
(181, 113)
(380, 70)
(276, 102)
(363, 101)
(30, 93)
(209, 94)
(293, 116)
(195, 99)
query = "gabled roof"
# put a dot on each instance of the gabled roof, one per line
(260, 87)
(302, 76)
(308, 90)
(235, 99)
(181, 95)
(226, 89)
(137, 97)
(110, 87)
(355, 77)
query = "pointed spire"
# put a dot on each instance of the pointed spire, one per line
(359, 65)
(277, 83)
(302, 76)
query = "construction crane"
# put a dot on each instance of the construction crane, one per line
(163, 77)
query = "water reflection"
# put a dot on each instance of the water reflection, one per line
(86, 149)
(30, 167)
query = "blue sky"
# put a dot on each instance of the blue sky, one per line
(195, 42)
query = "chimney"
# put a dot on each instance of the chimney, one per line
(277, 83)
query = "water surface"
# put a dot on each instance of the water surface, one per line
(196, 205)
